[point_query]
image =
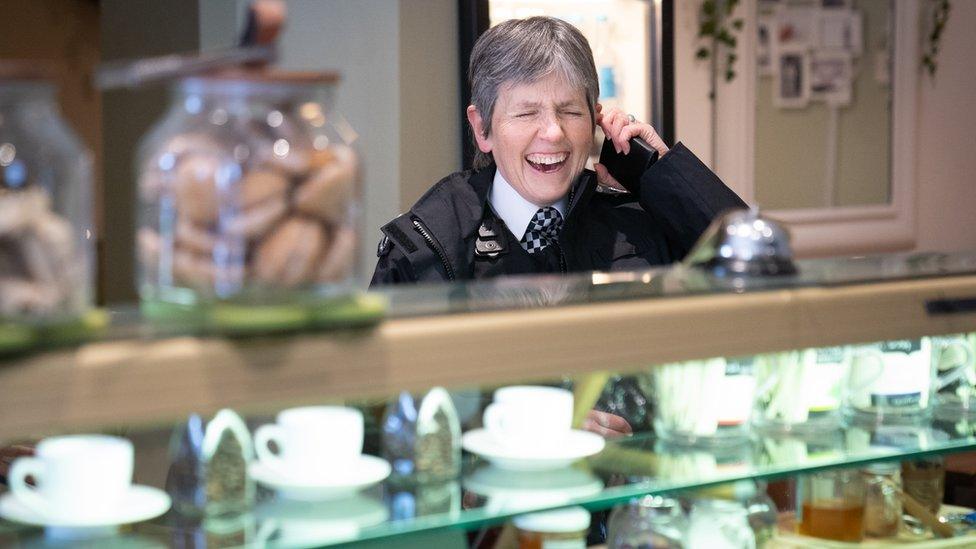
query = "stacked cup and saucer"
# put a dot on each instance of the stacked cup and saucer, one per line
(318, 473)
(82, 487)
(529, 428)
(320, 454)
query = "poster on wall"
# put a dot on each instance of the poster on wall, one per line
(791, 89)
(831, 77)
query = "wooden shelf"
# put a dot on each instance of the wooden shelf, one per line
(145, 381)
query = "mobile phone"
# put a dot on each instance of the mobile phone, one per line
(628, 168)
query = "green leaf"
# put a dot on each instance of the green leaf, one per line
(702, 53)
(737, 24)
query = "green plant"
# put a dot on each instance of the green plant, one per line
(718, 27)
(940, 15)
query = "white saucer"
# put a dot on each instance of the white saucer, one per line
(365, 472)
(141, 503)
(576, 445)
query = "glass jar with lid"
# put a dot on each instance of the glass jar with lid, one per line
(46, 228)
(647, 522)
(882, 507)
(249, 196)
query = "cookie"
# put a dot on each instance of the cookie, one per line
(337, 264)
(19, 209)
(257, 220)
(289, 255)
(195, 188)
(148, 246)
(192, 269)
(259, 186)
(25, 297)
(329, 191)
(193, 237)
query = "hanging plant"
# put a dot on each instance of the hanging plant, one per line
(717, 26)
(940, 15)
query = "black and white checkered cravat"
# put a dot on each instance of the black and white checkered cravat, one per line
(543, 229)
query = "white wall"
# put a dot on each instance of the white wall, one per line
(429, 95)
(692, 107)
(947, 140)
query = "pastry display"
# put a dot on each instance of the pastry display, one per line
(249, 196)
(269, 226)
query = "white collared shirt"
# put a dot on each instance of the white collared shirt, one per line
(514, 210)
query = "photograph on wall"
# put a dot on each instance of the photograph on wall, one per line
(831, 77)
(791, 89)
(840, 29)
(796, 25)
(764, 45)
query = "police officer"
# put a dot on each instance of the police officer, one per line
(529, 205)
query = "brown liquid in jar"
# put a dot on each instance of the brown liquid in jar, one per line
(832, 519)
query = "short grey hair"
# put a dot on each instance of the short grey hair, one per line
(523, 51)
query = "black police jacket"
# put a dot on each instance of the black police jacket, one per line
(452, 233)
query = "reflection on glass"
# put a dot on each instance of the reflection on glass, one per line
(508, 491)
(821, 447)
(720, 524)
(650, 521)
(414, 500)
(285, 523)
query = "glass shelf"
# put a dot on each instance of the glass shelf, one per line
(485, 495)
(532, 292)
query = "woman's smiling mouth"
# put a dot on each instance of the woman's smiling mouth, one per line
(547, 162)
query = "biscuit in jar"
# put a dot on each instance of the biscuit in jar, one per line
(337, 263)
(289, 255)
(329, 190)
(195, 188)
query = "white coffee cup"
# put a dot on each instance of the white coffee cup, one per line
(312, 441)
(525, 415)
(77, 476)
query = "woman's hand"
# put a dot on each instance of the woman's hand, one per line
(606, 425)
(618, 127)
(8, 454)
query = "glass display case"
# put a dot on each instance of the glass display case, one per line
(249, 201)
(599, 338)
(47, 232)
